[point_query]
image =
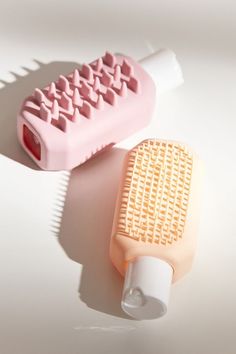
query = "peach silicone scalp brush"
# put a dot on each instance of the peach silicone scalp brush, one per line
(154, 230)
(64, 124)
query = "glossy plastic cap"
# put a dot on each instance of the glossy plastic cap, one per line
(147, 288)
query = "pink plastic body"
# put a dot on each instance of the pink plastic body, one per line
(66, 123)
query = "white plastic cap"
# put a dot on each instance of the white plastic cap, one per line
(164, 69)
(147, 288)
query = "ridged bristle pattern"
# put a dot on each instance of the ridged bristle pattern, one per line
(97, 86)
(155, 195)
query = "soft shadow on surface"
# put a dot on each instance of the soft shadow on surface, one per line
(11, 98)
(86, 229)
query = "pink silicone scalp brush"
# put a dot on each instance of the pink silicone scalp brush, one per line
(70, 120)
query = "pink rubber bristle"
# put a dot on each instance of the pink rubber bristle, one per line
(62, 123)
(66, 102)
(52, 90)
(98, 65)
(123, 90)
(39, 95)
(117, 73)
(109, 59)
(87, 72)
(106, 78)
(134, 85)
(64, 84)
(76, 115)
(76, 78)
(126, 68)
(45, 112)
(100, 102)
(76, 97)
(55, 109)
(86, 90)
(86, 109)
(96, 84)
(111, 97)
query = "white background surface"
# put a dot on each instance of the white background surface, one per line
(50, 304)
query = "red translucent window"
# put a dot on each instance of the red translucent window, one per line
(31, 142)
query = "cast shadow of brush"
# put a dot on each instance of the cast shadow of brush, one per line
(87, 218)
(86, 229)
(11, 97)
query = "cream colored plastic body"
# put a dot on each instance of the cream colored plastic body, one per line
(176, 251)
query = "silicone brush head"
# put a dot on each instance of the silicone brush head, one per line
(65, 123)
(153, 238)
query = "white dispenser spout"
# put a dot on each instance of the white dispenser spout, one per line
(147, 288)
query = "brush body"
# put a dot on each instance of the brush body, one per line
(155, 224)
(69, 121)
